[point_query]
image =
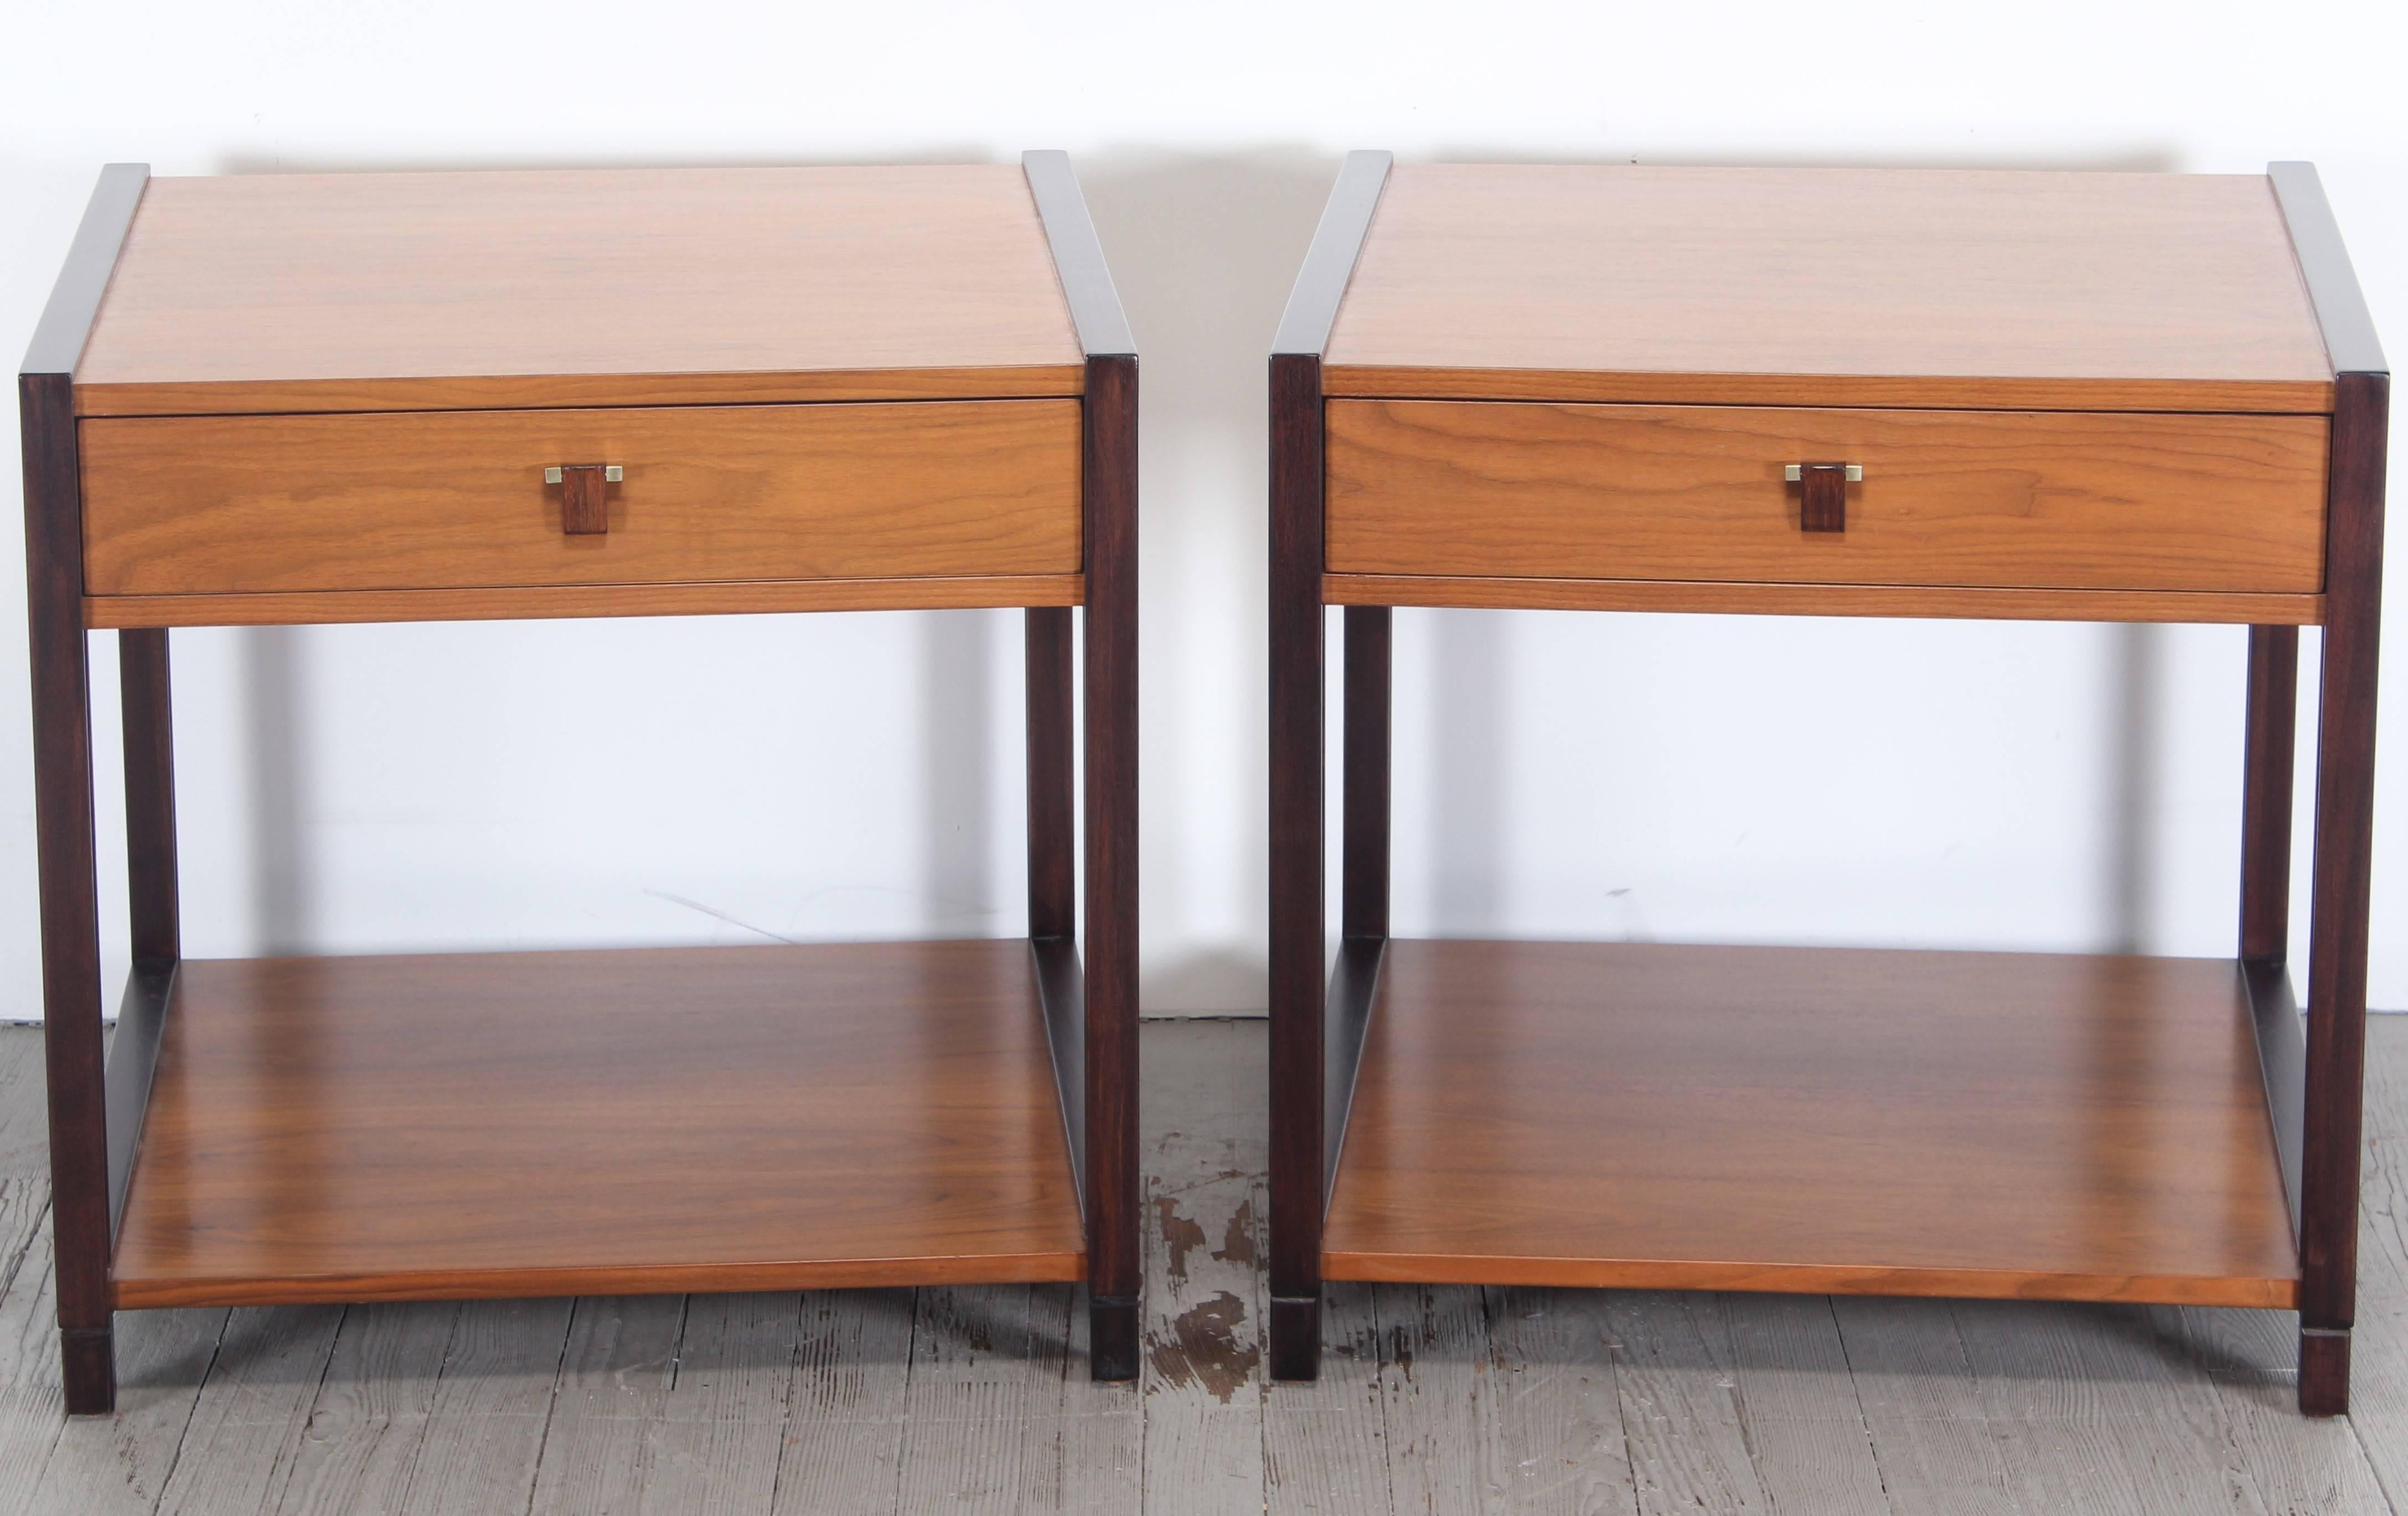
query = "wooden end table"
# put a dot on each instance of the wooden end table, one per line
(2074, 397)
(283, 399)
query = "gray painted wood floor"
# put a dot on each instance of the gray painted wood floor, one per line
(1441, 1400)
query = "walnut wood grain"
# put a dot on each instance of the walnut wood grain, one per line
(547, 601)
(619, 1122)
(235, 505)
(1996, 1124)
(1882, 287)
(2011, 499)
(1734, 598)
(373, 292)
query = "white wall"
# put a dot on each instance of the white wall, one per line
(1934, 783)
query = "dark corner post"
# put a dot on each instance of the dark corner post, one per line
(63, 816)
(2344, 832)
(1362, 852)
(1110, 1177)
(149, 797)
(154, 907)
(1299, 1107)
(2266, 793)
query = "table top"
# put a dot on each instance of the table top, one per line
(282, 292)
(1829, 286)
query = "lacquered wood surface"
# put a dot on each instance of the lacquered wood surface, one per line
(546, 601)
(350, 292)
(1999, 500)
(620, 1121)
(235, 505)
(1909, 600)
(1812, 1119)
(1813, 286)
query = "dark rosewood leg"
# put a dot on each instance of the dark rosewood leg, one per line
(1053, 870)
(1053, 784)
(1363, 893)
(1297, 919)
(150, 796)
(2336, 1060)
(2265, 893)
(63, 818)
(1113, 1259)
(2266, 794)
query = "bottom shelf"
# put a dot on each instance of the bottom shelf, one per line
(627, 1121)
(1652, 1117)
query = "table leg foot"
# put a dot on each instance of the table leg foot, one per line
(1112, 1336)
(2324, 1371)
(87, 1365)
(1296, 1338)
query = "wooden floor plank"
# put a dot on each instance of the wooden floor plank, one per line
(120, 1465)
(2099, 1410)
(1325, 1440)
(1550, 1429)
(1923, 1409)
(1202, 1381)
(722, 1424)
(31, 1411)
(1087, 1441)
(615, 1375)
(1433, 1346)
(24, 1111)
(2387, 1075)
(492, 1408)
(1740, 1402)
(843, 1448)
(253, 1412)
(2378, 1392)
(2307, 1465)
(1805, 1423)
(975, 1390)
(1003, 1413)
(369, 1422)
(1679, 1407)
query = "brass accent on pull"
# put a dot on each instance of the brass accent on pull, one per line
(1823, 493)
(583, 512)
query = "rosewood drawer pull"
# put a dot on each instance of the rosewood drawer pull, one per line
(1823, 493)
(583, 510)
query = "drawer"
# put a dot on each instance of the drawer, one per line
(2037, 499)
(256, 504)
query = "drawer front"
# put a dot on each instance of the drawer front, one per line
(256, 504)
(2063, 501)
